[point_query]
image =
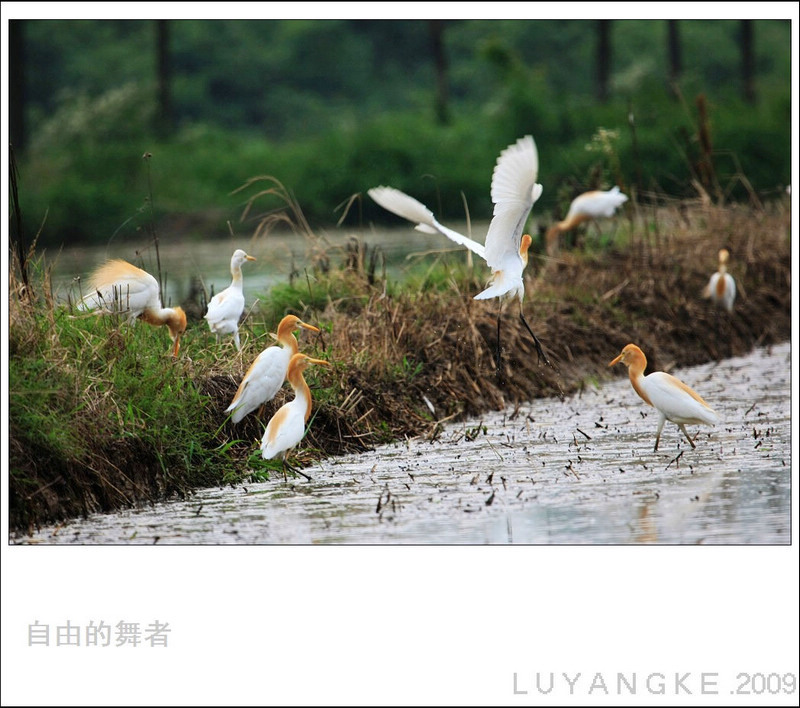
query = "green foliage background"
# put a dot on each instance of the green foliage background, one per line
(333, 107)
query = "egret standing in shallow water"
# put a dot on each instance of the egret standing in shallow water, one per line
(120, 287)
(288, 426)
(514, 191)
(721, 287)
(226, 307)
(672, 398)
(267, 373)
(585, 207)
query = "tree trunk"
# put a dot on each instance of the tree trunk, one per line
(16, 84)
(603, 59)
(164, 122)
(748, 61)
(436, 28)
(674, 52)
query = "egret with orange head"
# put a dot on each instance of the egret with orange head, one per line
(120, 287)
(288, 426)
(595, 204)
(721, 287)
(267, 373)
(673, 399)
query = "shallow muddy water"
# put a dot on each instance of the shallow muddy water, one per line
(578, 471)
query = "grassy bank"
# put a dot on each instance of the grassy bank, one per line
(102, 418)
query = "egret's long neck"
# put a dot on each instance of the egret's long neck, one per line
(158, 316)
(636, 375)
(301, 391)
(174, 318)
(572, 221)
(289, 341)
(236, 276)
(524, 245)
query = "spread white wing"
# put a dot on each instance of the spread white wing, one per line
(400, 203)
(514, 191)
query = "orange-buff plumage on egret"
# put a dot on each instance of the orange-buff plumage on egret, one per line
(673, 399)
(596, 204)
(721, 287)
(514, 191)
(288, 426)
(267, 373)
(226, 307)
(120, 287)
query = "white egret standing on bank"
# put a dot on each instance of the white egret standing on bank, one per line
(721, 287)
(226, 307)
(288, 426)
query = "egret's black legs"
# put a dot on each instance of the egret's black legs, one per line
(539, 351)
(294, 469)
(498, 356)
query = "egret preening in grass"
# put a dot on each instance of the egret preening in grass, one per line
(267, 373)
(514, 191)
(226, 307)
(672, 398)
(120, 287)
(288, 426)
(721, 287)
(587, 206)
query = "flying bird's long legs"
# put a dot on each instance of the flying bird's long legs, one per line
(498, 356)
(539, 351)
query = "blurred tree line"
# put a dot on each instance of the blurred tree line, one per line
(332, 107)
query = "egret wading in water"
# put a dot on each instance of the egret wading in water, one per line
(673, 399)
(586, 207)
(721, 287)
(288, 426)
(226, 307)
(267, 373)
(122, 288)
(514, 191)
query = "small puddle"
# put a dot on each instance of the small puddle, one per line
(579, 471)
